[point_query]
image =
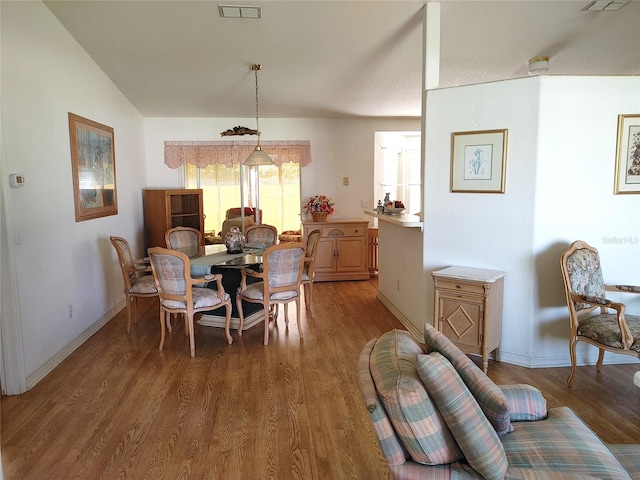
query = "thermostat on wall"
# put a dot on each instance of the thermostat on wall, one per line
(16, 180)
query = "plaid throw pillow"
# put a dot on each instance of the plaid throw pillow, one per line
(414, 417)
(491, 399)
(526, 403)
(475, 436)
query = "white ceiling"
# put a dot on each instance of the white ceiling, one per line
(334, 58)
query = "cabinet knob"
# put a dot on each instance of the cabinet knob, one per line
(458, 286)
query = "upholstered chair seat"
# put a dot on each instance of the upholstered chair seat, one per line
(604, 330)
(202, 298)
(144, 284)
(255, 291)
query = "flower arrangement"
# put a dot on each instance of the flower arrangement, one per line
(319, 204)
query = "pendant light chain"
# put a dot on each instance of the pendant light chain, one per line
(255, 67)
(258, 156)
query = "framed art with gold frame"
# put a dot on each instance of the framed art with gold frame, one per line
(93, 164)
(479, 161)
(627, 173)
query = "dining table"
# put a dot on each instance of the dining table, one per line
(215, 259)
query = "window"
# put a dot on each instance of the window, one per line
(397, 168)
(279, 191)
(215, 167)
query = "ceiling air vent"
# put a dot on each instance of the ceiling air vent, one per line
(239, 11)
(605, 5)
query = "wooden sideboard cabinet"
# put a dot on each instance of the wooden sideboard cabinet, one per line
(342, 249)
(168, 208)
(468, 308)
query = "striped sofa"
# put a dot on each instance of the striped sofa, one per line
(438, 416)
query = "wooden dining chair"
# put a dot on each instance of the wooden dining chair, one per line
(266, 234)
(137, 277)
(308, 274)
(184, 239)
(281, 275)
(179, 295)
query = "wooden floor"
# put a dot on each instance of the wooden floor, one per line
(118, 408)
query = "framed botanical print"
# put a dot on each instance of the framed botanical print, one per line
(627, 173)
(478, 161)
(93, 164)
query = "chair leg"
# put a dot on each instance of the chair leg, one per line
(310, 300)
(192, 339)
(163, 316)
(307, 294)
(298, 315)
(129, 307)
(134, 309)
(227, 323)
(266, 323)
(285, 307)
(240, 314)
(600, 360)
(572, 354)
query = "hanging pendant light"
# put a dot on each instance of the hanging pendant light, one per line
(258, 156)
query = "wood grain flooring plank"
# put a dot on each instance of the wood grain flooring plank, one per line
(118, 408)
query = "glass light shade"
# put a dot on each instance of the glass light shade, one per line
(258, 157)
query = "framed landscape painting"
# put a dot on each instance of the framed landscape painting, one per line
(627, 174)
(478, 161)
(94, 168)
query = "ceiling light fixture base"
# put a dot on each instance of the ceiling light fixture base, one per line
(538, 65)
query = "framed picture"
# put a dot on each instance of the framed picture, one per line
(627, 176)
(94, 168)
(478, 161)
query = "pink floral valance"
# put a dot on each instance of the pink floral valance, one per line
(231, 153)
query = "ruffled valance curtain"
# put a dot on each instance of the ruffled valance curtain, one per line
(202, 154)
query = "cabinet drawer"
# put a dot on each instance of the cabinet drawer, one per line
(461, 287)
(333, 232)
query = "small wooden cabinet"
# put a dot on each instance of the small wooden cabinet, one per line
(168, 208)
(342, 250)
(468, 308)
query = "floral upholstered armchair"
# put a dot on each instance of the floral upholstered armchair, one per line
(586, 294)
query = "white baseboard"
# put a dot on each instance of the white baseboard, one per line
(564, 360)
(48, 367)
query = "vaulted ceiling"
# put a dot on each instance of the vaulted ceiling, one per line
(338, 58)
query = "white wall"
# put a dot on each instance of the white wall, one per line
(45, 75)
(559, 187)
(493, 231)
(339, 148)
(400, 279)
(575, 200)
